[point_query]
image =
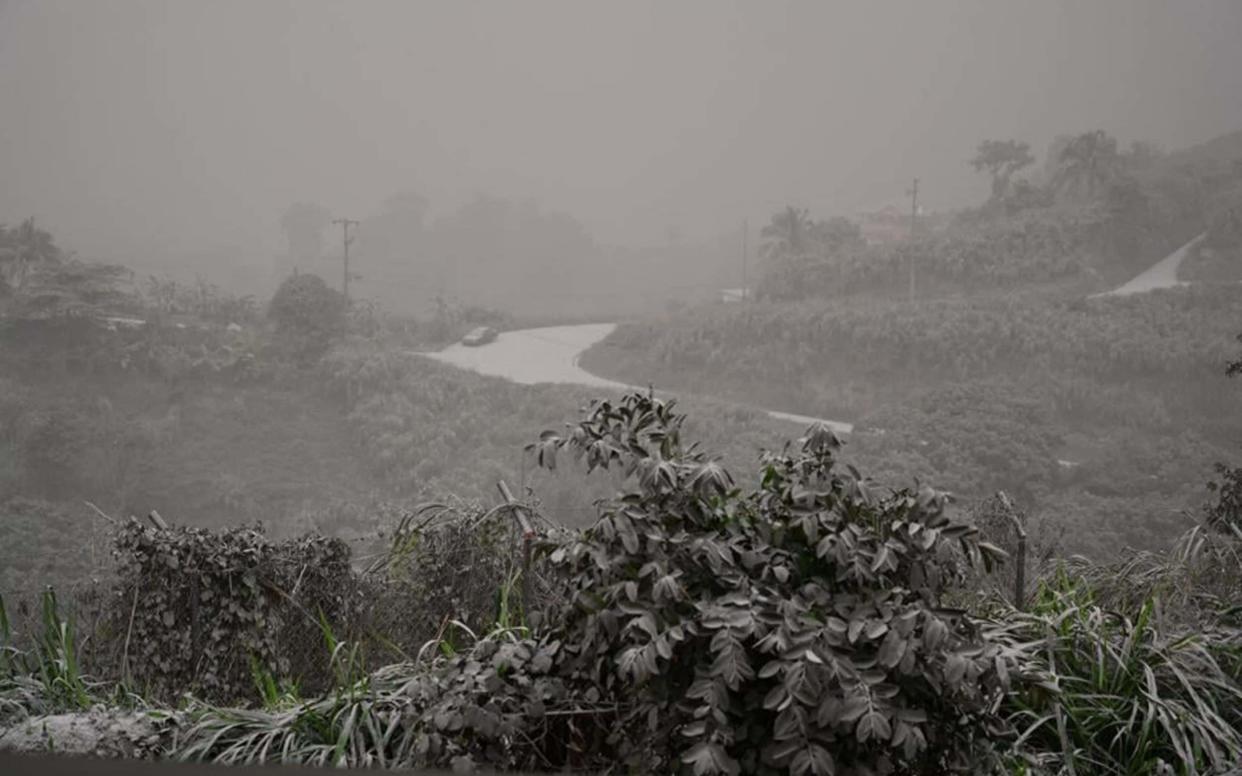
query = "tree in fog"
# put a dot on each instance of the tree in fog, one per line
(1001, 159)
(1087, 163)
(835, 234)
(303, 224)
(788, 233)
(23, 248)
(307, 314)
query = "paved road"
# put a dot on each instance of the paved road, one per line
(1162, 274)
(550, 355)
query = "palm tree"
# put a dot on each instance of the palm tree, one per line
(1087, 162)
(788, 234)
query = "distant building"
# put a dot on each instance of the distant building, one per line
(884, 227)
(734, 294)
(891, 224)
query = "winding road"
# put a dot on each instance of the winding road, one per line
(550, 355)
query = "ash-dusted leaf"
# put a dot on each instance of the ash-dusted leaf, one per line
(853, 708)
(782, 751)
(954, 668)
(892, 649)
(820, 438)
(913, 716)
(873, 725)
(815, 760)
(708, 757)
(732, 667)
(934, 633)
(777, 698)
(667, 588)
(645, 622)
(694, 729)
(710, 479)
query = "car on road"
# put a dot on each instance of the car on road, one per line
(479, 336)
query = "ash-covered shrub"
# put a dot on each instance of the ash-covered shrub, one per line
(797, 628)
(308, 315)
(450, 573)
(197, 611)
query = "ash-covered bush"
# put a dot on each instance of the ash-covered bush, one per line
(797, 628)
(197, 611)
(308, 315)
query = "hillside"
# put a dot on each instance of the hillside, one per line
(1104, 414)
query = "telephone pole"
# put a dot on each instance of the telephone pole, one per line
(346, 239)
(914, 215)
(745, 252)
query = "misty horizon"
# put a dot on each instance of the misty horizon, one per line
(142, 129)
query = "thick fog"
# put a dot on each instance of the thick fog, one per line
(145, 130)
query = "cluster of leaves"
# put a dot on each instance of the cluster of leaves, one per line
(799, 627)
(197, 608)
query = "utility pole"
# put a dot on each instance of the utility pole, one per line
(745, 252)
(346, 240)
(914, 215)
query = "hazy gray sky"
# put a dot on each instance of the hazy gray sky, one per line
(184, 125)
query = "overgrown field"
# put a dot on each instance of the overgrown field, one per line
(1105, 413)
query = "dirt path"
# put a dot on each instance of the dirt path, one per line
(1162, 274)
(550, 355)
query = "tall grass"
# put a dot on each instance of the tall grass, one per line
(1127, 696)
(46, 677)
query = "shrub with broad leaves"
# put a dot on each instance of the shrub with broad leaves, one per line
(799, 628)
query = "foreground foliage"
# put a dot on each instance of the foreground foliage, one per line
(798, 628)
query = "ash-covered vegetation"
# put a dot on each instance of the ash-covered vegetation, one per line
(819, 479)
(316, 574)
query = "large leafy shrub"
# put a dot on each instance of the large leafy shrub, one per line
(798, 628)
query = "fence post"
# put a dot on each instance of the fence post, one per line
(1019, 572)
(528, 535)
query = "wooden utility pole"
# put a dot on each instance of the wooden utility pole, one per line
(914, 216)
(346, 239)
(745, 252)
